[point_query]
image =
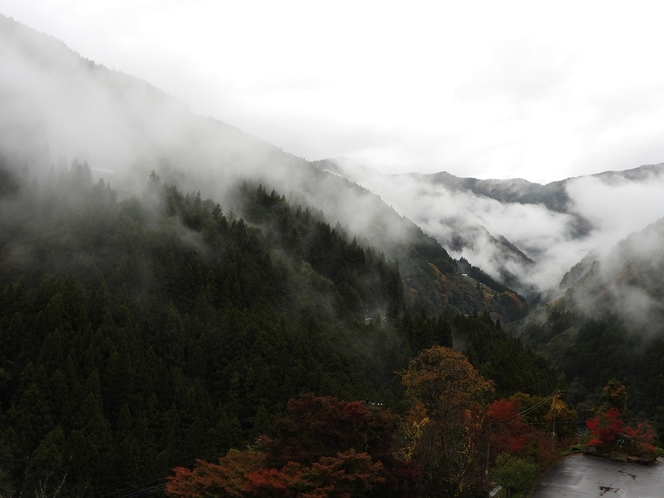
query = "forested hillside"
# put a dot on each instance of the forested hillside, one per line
(60, 105)
(138, 334)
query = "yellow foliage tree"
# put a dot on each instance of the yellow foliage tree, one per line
(446, 428)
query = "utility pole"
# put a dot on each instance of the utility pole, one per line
(555, 408)
(488, 449)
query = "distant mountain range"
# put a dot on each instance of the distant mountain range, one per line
(514, 229)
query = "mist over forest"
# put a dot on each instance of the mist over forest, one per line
(514, 229)
(175, 291)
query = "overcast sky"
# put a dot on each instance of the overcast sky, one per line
(537, 90)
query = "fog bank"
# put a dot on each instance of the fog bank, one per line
(546, 241)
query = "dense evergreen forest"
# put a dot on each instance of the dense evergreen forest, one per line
(139, 334)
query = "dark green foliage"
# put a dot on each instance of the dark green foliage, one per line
(147, 332)
(593, 351)
(608, 325)
(141, 334)
(495, 354)
(501, 358)
(605, 349)
(364, 281)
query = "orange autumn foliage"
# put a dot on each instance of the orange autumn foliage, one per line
(223, 479)
(445, 430)
(324, 448)
(243, 475)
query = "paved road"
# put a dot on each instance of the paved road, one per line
(579, 476)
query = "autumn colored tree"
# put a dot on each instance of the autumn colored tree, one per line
(509, 431)
(343, 475)
(561, 419)
(604, 427)
(614, 395)
(318, 426)
(243, 474)
(209, 479)
(447, 424)
(642, 438)
(324, 448)
(607, 426)
(514, 432)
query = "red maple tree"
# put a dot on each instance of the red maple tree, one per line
(512, 432)
(604, 427)
(509, 432)
(323, 448)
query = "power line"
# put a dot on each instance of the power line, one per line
(528, 410)
(516, 417)
(148, 490)
(145, 492)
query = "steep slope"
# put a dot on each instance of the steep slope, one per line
(61, 105)
(138, 334)
(457, 212)
(629, 281)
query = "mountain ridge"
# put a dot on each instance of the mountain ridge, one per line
(124, 125)
(470, 217)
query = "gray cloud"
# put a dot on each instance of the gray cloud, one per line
(486, 90)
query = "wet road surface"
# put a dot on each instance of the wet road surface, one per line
(579, 476)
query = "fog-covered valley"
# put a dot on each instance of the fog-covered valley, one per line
(524, 234)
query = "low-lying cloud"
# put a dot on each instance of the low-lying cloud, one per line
(58, 106)
(57, 103)
(612, 206)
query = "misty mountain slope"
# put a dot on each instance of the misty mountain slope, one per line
(552, 195)
(448, 209)
(459, 232)
(576, 273)
(140, 333)
(629, 281)
(504, 226)
(610, 324)
(640, 174)
(60, 105)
